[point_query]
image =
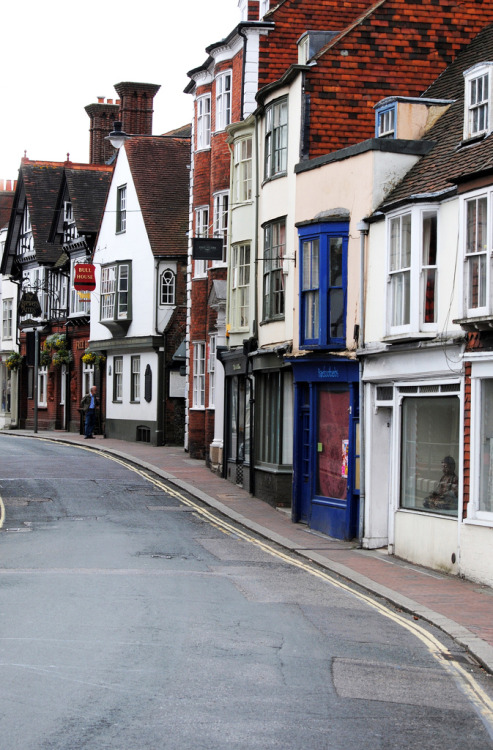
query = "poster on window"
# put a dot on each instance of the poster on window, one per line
(345, 452)
(333, 432)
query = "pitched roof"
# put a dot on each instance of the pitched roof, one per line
(88, 187)
(42, 181)
(383, 48)
(6, 202)
(451, 159)
(159, 170)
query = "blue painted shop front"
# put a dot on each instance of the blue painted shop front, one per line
(326, 434)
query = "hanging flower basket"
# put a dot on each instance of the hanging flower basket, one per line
(93, 358)
(62, 357)
(45, 358)
(14, 361)
(55, 341)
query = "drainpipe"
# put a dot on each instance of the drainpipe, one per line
(363, 228)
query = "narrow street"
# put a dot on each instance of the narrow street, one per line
(132, 617)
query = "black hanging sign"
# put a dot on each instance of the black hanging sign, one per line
(207, 248)
(29, 305)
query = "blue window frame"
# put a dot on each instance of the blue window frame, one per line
(323, 285)
(385, 121)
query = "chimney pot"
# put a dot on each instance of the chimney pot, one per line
(9, 185)
(109, 101)
(100, 99)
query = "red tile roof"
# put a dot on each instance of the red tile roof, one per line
(159, 170)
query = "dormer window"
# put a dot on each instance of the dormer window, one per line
(478, 91)
(263, 8)
(304, 50)
(385, 122)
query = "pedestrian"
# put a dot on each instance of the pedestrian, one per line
(89, 404)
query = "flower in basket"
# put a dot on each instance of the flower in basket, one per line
(92, 358)
(62, 357)
(89, 358)
(55, 341)
(45, 358)
(13, 361)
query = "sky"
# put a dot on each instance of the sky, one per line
(58, 57)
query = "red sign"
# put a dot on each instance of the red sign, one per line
(85, 277)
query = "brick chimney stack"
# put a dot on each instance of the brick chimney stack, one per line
(136, 109)
(102, 115)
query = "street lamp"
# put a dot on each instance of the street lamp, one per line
(117, 137)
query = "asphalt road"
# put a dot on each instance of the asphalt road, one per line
(132, 620)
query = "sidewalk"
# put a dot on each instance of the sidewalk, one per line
(462, 609)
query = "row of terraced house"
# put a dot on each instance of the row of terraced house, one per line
(296, 287)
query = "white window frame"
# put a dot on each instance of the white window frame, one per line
(480, 371)
(211, 369)
(63, 385)
(263, 8)
(224, 87)
(242, 170)
(478, 98)
(198, 398)
(87, 378)
(42, 386)
(167, 287)
(240, 286)
(7, 319)
(25, 243)
(117, 380)
(203, 122)
(135, 379)
(116, 291)
(480, 197)
(220, 221)
(201, 230)
(417, 270)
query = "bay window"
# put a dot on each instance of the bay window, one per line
(220, 219)
(240, 286)
(242, 170)
(412, 271)
(116, 294)
(276, 139)
(476, 254)
(323, 253)
(273, 283)
(203, 122)
(223, 100)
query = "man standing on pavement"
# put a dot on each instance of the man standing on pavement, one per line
(89, 404)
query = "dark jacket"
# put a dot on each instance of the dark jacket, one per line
(86, 401)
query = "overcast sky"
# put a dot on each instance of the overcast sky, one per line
(59, 56)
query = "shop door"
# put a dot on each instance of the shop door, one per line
(331, 510)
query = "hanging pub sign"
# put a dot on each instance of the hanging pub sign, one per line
(29, 305)
(85, 277)
(207, 248)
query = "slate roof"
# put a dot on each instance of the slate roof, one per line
(41, 182)
(88, 189)
(451, 159)
(159, 170)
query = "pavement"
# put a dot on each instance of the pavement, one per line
(462, 609)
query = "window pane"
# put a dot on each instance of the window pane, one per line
(429, 451)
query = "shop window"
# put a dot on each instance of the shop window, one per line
(484, 502)
(430, 454)
(274, 418)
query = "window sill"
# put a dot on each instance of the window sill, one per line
(272, 177)
(278, 319)
(403, 338)
(428, 513)
(472, 324)
(479, 522)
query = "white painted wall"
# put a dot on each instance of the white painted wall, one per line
(427, 541)
(126, 409)
(130, 245)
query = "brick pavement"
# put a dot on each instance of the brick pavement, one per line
(462, 609)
